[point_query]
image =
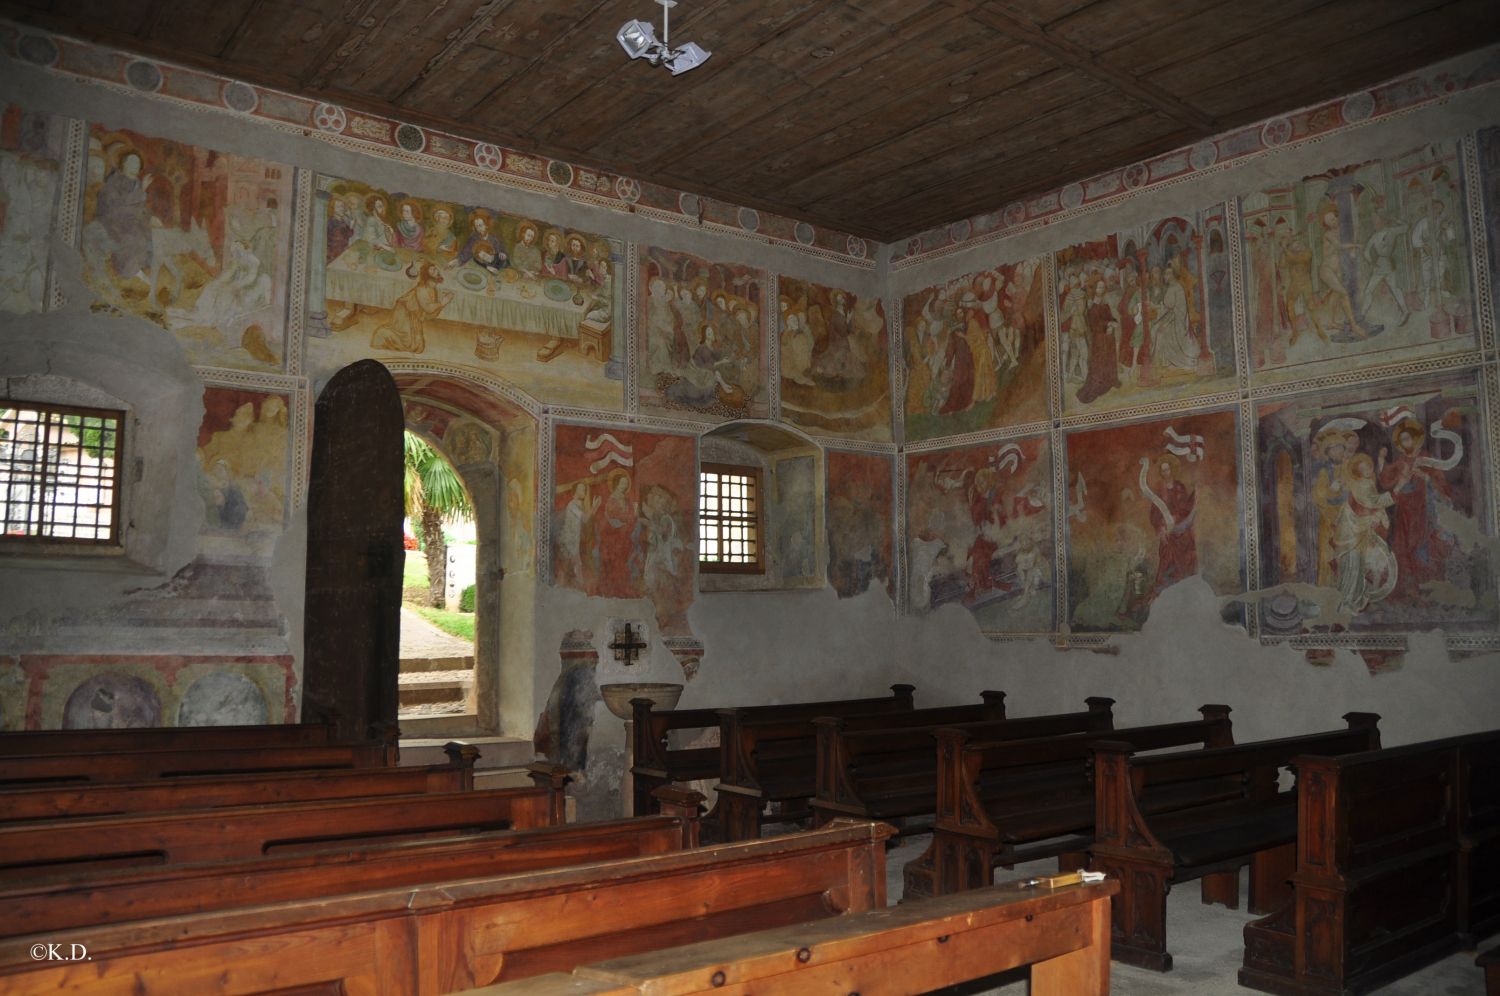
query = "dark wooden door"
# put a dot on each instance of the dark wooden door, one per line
(352, 636)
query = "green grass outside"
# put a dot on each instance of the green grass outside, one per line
(414, 572)
(459, 624)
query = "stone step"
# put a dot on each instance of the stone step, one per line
(425, 724)
(411, 665)
(494, 752)
(435, 688)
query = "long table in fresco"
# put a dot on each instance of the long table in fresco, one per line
(507, 300)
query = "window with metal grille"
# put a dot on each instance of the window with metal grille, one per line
(729, 523)
(59, 474)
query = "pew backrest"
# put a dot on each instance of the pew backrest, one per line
(164, 738)
(51, 905)
(212, 791)
(44, 769)
(235, 832)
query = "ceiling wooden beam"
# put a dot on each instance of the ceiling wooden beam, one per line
(480, 21)
(542, 56)
(251, 12)
(1004, 19)
(342, 45)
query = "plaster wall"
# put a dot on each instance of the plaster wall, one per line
(739, 646)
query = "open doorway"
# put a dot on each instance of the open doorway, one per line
(438, 596)
(454, 684)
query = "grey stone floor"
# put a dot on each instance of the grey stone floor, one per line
(1206, 944)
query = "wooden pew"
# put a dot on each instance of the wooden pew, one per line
(891, 772)
(202, 792)
(77, 845)
(1200, 814)
(164, 738)
(1398, 865)
(1490, 962)
(1063, 934)
(53, 905)
(21, 771)
(768, 757)
(655, 762)
(1000, 802)
(449, 936)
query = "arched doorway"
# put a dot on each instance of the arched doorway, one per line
(491, 441)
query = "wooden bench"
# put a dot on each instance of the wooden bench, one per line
(52, 905)
(1490, 962)
(1396, 867)
(1063, 934)
(21, 771)
(655, 761)
(449, 936)
(94, 842)
(1200, 814)
(210, 791)
(164, 738)
(768, 757)
(1000, 802)
(890, 773)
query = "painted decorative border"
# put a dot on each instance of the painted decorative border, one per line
(544, 488)
(633, 333)
(293, 349)
(771, 315)
(373, 133)
(1398, 96)
(437, 368)
(69, 207)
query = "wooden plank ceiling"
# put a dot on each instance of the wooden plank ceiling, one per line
(878, 117)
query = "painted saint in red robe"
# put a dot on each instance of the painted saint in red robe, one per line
(958, 363)
(615, 523)
(1173, 511)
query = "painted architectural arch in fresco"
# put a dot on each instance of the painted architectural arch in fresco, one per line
(1358, 266)
(192, 239)
(1150, 504)
(1145, 315)
(398, 273)
(1373, 507)
(624, 517)
(976, 353)
(979, 533)
(702, 335)
(835, 372)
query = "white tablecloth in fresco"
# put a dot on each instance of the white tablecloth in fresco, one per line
(500, 304)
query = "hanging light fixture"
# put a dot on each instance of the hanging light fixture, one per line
(638, 39)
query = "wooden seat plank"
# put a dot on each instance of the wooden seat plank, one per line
(448, 936)
(917, 946)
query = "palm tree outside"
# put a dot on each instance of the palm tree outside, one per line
(434, 493)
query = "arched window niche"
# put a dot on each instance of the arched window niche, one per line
(791, 539)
